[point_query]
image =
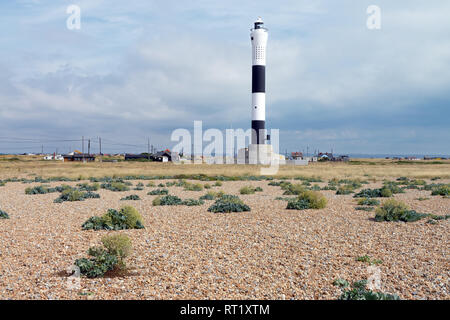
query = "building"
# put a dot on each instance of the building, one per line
(79, 157)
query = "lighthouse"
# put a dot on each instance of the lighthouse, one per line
(258, 38)
(258, 152)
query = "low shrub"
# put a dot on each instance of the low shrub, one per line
(87, 187)
(293, 189)
(368, 202)
(118, 245)
(151, 184)
(192, 202)
(228, 203)
(394, 210)
(3, 215)
(158, 192)
(358, 291)
(168, 200)
(345, 189)
(126, 218)
(308, 200)
(115, 186)
(373, 193)
(103, 259)
(131, 197)
(70, 195)
(443, 190)
(38, 190)
(139, 186)
(207, 186)
(193, 187)
(217, 184)
(211, 195)
(250, 190)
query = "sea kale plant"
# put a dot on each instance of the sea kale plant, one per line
(125, 218)
(228, 203)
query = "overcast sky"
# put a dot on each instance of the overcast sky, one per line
(140, 68)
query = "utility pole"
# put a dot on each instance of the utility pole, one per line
(89, 147)
(100, 145)
(82, 146)
(148, 149)
(42, 149)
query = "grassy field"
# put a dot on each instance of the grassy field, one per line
(25, 166)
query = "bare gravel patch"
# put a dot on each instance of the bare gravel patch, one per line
(189, 253)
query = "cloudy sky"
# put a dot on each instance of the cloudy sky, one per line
(139, 69)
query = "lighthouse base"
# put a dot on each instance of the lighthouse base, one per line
(259, 154)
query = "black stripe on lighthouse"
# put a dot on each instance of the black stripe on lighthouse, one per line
(258, 79)
(258, 132)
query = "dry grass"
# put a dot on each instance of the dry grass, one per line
(23, 166)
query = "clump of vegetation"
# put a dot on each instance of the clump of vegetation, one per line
(193, 186)
(217, 184)
(87, 187)
(285, 198)
(39, 190)
(442, 190)
(75, 195)
(192, 202)
(211, 195)
(308, 200)
(374, 193)
(293, 189)
(115, 186)
(158, 192)
(368, 260)
(345, 189)
(126, 218)
(207, 186)
(139, 186)
(3, 215)
(365, 208)
(103, 259)
(394, 210)
(168, 200)
(368, 202)
(359, 291)
(250, 190)
(131, 197)
(422, 199)
(228, 203)
(151, 184)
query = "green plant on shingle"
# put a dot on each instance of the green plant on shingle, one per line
(358, 291)
(345, 189)
(70, 195)
(87, 187)
(151, 184)
(131, 197)
(217, 184)
(308, 200)
(293, 189)
(228, 203)
(118, 245)
(442, 190)
(126, 218)
(139, 186)
(116, 248)
(37, 190)
(99, 262)
(394, 210)
(193, 187)
(3, 215)
(211, 195)
(192, 202)
(207, 186)
(115, 186)
(168, 200)
(158, 192)
(368, 260)
(341, 283)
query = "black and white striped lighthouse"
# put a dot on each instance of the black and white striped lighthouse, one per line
(259, 42)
